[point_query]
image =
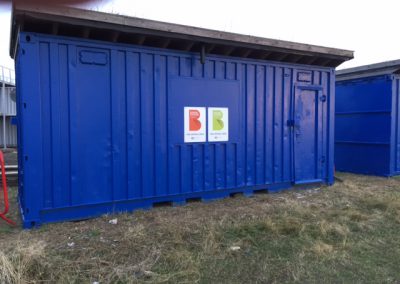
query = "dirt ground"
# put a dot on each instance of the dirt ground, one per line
(347, 233)
(10, 159)
(10, 156)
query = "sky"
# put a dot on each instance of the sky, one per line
(367, 27)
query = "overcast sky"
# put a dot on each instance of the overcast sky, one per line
(368, 27)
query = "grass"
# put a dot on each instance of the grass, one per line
(347, 233)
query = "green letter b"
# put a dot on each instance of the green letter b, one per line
(218, 124)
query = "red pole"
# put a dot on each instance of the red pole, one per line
(5, 191)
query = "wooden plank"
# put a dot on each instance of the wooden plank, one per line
(54, 28)
(85, 32)
(96, 19)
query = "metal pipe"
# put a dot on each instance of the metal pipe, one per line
(14, 167)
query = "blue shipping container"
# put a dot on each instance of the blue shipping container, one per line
(367, 119)
(107, 127)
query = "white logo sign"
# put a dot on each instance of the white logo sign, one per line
(195, 124)
(218, 121)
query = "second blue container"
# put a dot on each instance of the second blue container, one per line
(367, 119)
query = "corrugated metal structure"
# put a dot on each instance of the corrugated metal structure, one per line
(7, 114)
(8, 102)
(10, 132)
(7, 108)
(146, 112)
(367, 119)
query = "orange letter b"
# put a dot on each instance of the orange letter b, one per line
(194, 123)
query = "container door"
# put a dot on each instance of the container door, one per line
(90, 124)
(307, 130)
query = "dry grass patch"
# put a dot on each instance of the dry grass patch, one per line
(322, 249)
(345, 233)
(23, 261)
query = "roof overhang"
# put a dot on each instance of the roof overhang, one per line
(371, 70)
(67, 21)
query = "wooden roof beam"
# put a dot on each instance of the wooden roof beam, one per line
(86, 32)
(54, 28)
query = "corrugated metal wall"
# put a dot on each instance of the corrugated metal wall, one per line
(9, 110)
(100, 127)
(364, 118)
(7, 104)
(11, 133)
